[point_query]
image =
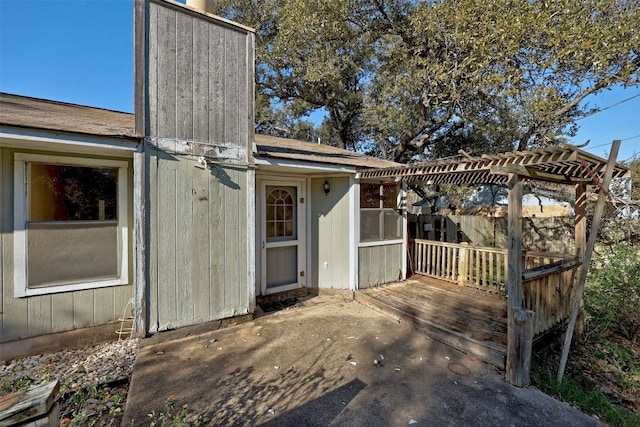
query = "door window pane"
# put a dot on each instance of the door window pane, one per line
(281, 213)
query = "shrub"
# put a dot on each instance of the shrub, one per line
(613, 294)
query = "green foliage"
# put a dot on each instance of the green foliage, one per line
(92, 404)
(10, 386)
(583, 393)
(170, 416)
(612, 294)
(408, 80)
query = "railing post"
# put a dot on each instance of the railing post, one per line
(463, 265)
(520, 337)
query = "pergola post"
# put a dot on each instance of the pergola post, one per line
(580, 236)
(581, 220)
(519, 320)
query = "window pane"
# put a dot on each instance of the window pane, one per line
(71, 193)
(392, 224)
(369, 195)
(370, 225)
(281, 212)
(390, 195)
(72, 252)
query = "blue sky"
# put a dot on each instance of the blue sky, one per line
(81, 51)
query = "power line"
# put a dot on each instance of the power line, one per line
(631, 137)
(622, 140)
(608, 107)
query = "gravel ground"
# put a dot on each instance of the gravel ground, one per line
(75, 368)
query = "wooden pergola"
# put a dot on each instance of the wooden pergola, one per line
(557, 164)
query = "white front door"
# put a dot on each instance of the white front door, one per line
(282, 236)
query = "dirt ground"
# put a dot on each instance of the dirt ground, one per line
(330, 361)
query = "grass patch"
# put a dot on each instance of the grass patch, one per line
(584, 393)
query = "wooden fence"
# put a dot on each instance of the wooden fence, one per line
(554, 234)
(547, 279)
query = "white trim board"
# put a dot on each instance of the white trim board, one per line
(66, 143)
(305, 167)
(20, 218)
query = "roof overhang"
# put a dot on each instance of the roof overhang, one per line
(64, 142)
(307, 168)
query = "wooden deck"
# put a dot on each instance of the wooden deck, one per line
(470, 320)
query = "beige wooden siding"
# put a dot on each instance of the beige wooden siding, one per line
(200, 79)
(38, 315)
(379, 264)
(330, 233)
(197, 242)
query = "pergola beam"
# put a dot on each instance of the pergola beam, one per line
(554, 164)
(536, 174)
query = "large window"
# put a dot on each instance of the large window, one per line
(70, 224)
(379, 214)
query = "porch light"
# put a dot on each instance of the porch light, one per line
(326, 187)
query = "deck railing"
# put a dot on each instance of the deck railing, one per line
(472, 266)
(547, 278)
(547, 292)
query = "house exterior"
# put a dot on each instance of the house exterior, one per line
(197, 215)
(66, 213)
(348, 235)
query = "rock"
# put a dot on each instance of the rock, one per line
(606, 390)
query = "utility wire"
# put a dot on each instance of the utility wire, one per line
(608, 107)
(622, 140)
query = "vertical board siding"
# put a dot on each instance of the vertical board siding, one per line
(166, 204)
(166, 74)
(199, 91)
(185, 96)
(216, 251)
(60, 311)
(199, 78)
(216, 84)
(329, 234)
(231, 87)
(201, 268)
(185, 226)
(45, 314)
(152, 71)
(200, 240)
(378, 265)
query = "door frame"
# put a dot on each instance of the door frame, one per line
(301, 217)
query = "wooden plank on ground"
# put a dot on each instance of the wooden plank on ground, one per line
(34, 403)
(8, 400)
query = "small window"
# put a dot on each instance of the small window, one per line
(281, 213)
(379, 214)
(70, 224)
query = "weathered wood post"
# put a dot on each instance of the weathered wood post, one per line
(580, 236)
(463, 265)
(519, 321)
(520, 339)
(584, 268)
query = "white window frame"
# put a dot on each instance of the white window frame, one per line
(20, 258)
(381, 209)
